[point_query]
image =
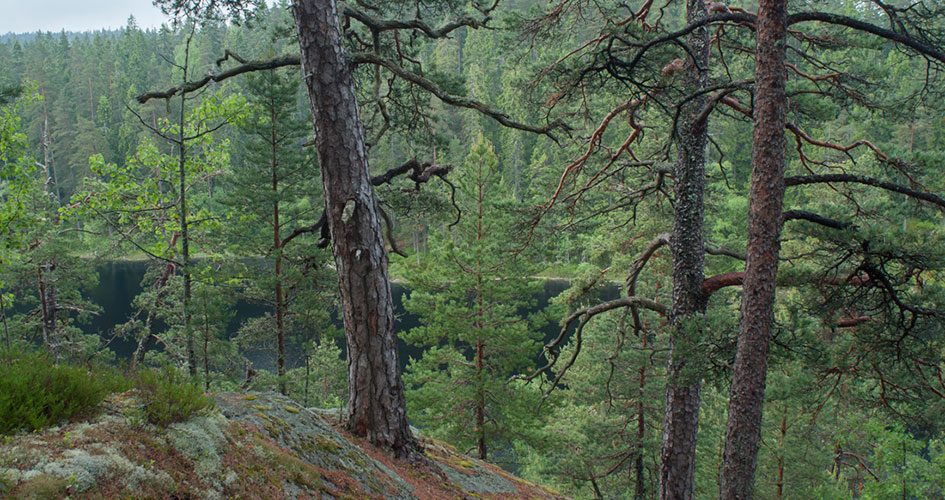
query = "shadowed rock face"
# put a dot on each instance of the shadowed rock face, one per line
(252, 446)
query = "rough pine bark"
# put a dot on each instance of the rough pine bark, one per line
(376, 406)
(681, 420)
(743, 432)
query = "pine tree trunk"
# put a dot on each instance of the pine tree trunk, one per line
(743, 432)
(639, 488)
(376, 406)
(677, 456)
(480, 310)
(480, 402)
(47, 303)
(206, 350)
(277, 247)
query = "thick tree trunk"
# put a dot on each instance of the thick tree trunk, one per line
(764, 227)
(376, 406)
(677, 457)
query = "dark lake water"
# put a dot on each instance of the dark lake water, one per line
(120, 282)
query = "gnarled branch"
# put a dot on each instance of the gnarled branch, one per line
(552, 349)
(187, 87)
(377, 24)
(815, 218)
(869, 181)
(456, 100)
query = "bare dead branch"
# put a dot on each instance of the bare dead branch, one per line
(815, 218)
(640, 263)
(868, 181)
(851, 322)
(377, 24)
(455, 100)
(713, 249)
(636, 268)
(187, 87)
(552, 349)
(900, 38)
(419, 173)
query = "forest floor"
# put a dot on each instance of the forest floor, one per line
(251, 446)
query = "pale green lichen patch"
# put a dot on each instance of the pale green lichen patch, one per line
(41, 487)
(237, 451)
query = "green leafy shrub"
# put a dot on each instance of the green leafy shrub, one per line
(36, 393)
(168, 396)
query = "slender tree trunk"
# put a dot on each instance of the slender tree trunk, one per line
(376, 405)
(48, 158)
(480, 307)
(280, 316)
(184, 230)
(3, 316)
(44, 306)
(307, 376)
(598, 495)
(185, 259)
(206, 350)
(779, 494)
(639, 490)
(144, 344)
(277, 247)
(480, 402)
(764, 227)
(681, 421)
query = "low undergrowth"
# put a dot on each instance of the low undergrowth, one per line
(37, 392)
(169, 397)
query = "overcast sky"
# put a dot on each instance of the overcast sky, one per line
(27, 16)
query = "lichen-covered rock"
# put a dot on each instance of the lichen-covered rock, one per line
(255, 446)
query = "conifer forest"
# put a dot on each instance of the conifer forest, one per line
(672, 249)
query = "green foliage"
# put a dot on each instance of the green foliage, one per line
(824, 380)
(272, 191)
(17, 185)
(35, 392)
(473, 330)
(169, 396)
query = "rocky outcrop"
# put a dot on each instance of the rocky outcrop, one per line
(251, 446)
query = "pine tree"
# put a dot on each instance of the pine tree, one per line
(470, 299)
(270, 193)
